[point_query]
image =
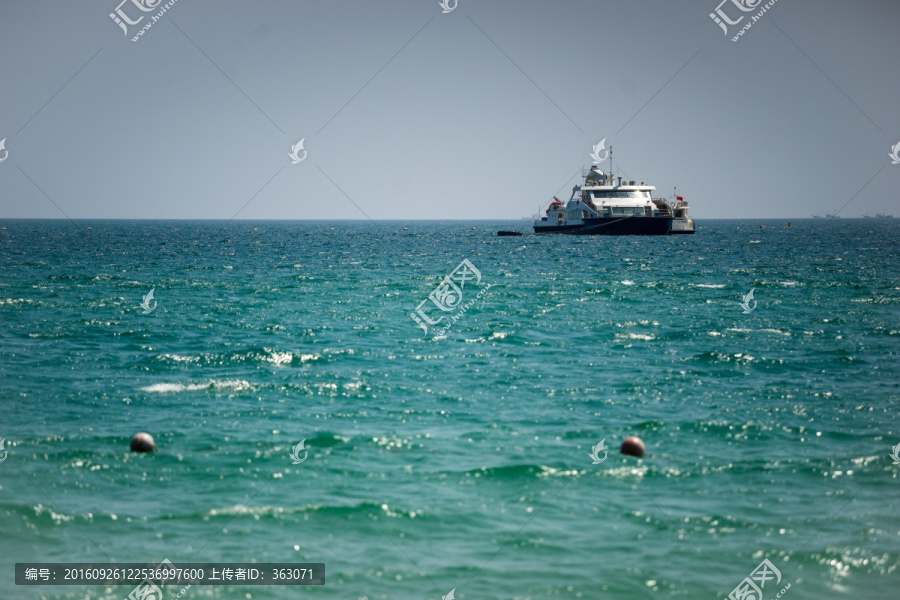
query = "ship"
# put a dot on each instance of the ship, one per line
(878, 216)
(606, 205)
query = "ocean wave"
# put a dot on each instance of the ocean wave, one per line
(528, 470)
(179, 358)
(635, 336)
(364, 508)
(15, 301)
(58, 518)
(278, 358)
(719, 357)
(236, 385)
(764, 330)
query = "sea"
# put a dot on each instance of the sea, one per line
(435, 412)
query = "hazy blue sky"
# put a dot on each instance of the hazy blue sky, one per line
(484, 112)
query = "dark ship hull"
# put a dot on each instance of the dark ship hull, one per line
(613, 226)
(558, 228)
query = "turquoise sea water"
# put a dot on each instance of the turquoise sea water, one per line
(460, 462)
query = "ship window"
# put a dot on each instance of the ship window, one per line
(620, 194)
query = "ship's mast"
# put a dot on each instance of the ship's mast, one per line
(610, 167)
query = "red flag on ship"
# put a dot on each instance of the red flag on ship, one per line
(679, 198)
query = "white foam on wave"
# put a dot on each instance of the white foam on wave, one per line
(279, 358)
(237, 385)
(554, 472)
(269, 355)
(180, 358)
(58, 518)
(15, 301)
(744, 330)
(635, 336)
(711, 285)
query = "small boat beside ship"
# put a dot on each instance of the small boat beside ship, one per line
(606, 205)
(681, 222)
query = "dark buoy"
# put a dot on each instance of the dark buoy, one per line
(789, 224)
(142, 442)
(632, 446)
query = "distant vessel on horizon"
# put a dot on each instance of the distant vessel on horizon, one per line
(827, 216)
(604, 206)
(878, 216)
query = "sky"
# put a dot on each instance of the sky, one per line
(409, 112)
